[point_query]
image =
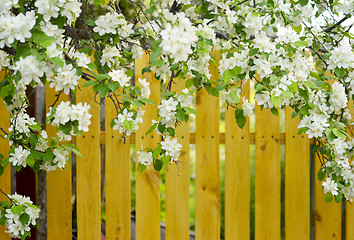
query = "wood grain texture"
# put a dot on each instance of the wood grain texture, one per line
(148, 182)
(297, 173)
(237, 176)
(267, 176)
(328, 217)
(88, 172)
(59, 220)
(117, 180)
(207, 209)
(177, 185)
(5, 178)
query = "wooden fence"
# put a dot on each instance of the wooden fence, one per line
(327, 219)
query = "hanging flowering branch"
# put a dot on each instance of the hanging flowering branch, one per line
(292, 50)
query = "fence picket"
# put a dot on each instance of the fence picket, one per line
(5, 178)
(117, 179)
(207, 209)
(349, 221)
(237, 176)
(148, 182)
(267, 176)
(59, 220)
(88, 173)
(297, 173)
(177, 185)
(327, 215)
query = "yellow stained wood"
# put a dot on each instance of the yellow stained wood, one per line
(117, 179)
(237, 176)
(148, 182)
(327, 215)
(177, 185)
(349, 206)
(267, 176)
(207, 209)
(88, 172)
(297, 173)
(5, 178)
(59, 220)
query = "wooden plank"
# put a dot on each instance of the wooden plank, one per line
(148, 182)
(5, 178)
(117, 179)
(207, 209)
(297, 173)
(237, 176)
(349, 221)
(177, 185)
(59, 220)
(267, 176)
(88, 172)
(328, 224)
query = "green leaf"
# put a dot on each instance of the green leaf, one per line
(293, 87)
(145, 100)
(90, 83)
(276, 101)
(274, 111)
(339, 72)
(58, 61)
(152, 128)
(73, 148)
(234, 96)
(227, 75)
(30, 161)
(328, 197)
(103, 90)
(102, 77)
(156, 151)
(213, 91)
(33, 140)
(339, 197)
(171, 131)
(36, 154)
(161, 127)
(180, 115)
(128, 124)
(166, 159)
(113, 86)
(141, 168)
(303, 2)
(287, 94)
(158, 165)
(253, 51)
(190, 110)
(339, 133)
(302, 130)
(48, 156)
(24, 218)
(7, 90)
(5, 204)
(17, 210)
(274, 78)
(2, 220)
(321, 175)
(240, 118)
(301, 43)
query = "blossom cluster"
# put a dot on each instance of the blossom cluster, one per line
(18, 215)
(70, 119)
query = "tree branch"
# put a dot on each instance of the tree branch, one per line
(329, 29)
